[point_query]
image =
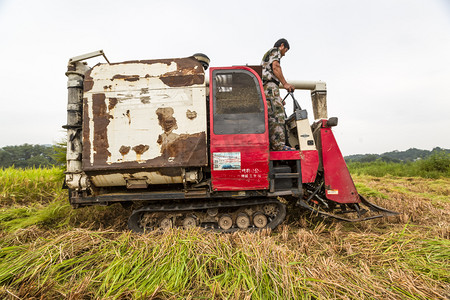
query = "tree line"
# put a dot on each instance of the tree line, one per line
(31, 156)
(396, 156)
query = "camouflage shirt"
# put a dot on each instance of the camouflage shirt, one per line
(266, 63)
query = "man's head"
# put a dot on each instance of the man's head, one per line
(283, 45)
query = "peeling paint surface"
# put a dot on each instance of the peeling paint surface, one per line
(191, 114)
(144, 114)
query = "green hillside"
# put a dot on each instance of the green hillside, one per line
(412, 154)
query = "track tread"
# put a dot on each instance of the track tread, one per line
(133, 221)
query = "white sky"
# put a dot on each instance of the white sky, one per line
(386, 62)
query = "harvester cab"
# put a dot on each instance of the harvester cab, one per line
(185, 152)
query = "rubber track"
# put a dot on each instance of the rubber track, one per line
(208, 204)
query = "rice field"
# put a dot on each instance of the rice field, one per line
(50, 251)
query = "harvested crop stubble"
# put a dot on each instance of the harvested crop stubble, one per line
(323, 262)
(88, 253)
(422, 201)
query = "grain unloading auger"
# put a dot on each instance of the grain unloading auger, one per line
(185, 152)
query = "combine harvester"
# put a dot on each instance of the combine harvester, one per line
(188, 152)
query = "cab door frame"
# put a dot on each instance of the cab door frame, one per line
(239, 160)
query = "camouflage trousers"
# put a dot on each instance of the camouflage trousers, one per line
(277, 117)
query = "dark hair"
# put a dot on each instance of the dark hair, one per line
(282, 41)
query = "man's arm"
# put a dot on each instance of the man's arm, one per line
(279, 74)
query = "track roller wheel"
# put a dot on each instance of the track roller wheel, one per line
(166, 223)
(189, 222)
(259, 220)
(225, 222)
(243, 221)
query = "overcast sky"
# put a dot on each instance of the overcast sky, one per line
(386, 62)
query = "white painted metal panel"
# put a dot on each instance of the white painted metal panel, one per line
(146, 114)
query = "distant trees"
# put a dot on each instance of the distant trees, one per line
(369, 158)
(29, 156)
(439, 161)
(435, 165)
(396, 156)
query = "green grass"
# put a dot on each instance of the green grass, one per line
(369, 192)
(49, 250)
(436, 166)
(193, 263)
(31, 196)
(54, 214)
(23, 186)
(118, 265)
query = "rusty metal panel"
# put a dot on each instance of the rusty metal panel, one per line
(145, 114)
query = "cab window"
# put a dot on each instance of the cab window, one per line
(238, 103)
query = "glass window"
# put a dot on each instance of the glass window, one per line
(238, 103)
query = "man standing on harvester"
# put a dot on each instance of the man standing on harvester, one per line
(272, 76)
